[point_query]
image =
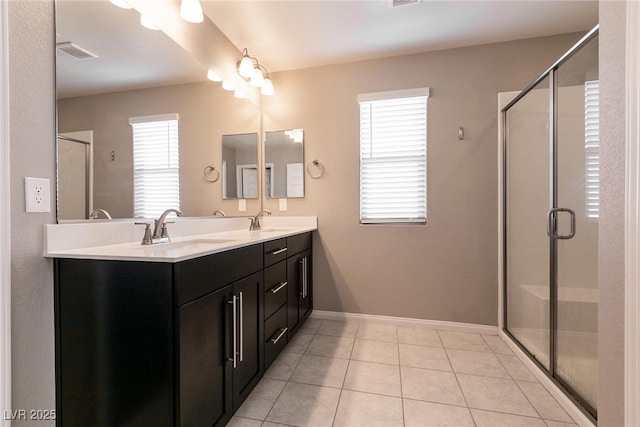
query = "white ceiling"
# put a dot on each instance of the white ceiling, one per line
(287, 35)
(295, 34)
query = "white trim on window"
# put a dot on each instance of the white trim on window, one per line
(393, 157)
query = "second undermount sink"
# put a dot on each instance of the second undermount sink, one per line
(187, 244)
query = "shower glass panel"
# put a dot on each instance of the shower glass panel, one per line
(527, 202)
(551, 201)
(578, 189)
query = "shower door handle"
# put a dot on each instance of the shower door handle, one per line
(551, 220)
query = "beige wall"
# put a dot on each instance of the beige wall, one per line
(448, 269)
(611, 233)
(32, 127)
(206, 112)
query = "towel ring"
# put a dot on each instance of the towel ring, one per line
(211, 174)
(316, 165)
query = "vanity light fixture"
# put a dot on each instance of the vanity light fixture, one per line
(256, 74)
(239, 93)
(121, 3)
(228, 85)
(145, 22)
(213, 76)
(245, 67)
(191, 11)
(267, 87)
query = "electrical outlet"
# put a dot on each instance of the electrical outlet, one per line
(282, 204)
(37, 195)
(242, 205)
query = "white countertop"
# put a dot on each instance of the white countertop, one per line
(190, 238)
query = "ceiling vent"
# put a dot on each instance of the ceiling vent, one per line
(396, 3)
(75, 51)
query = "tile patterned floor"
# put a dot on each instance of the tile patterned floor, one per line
(345, 374)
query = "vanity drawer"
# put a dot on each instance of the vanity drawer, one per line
(275, 332)
(298, 243)
(275, 288)
(197, 277)
(274, 251)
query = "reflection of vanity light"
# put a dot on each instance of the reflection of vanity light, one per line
(147, 24)
(121, 3)
(267, 87)
(295, 135)
(228, 85)
(239, 93)
(257, 79)
(191, 11)
(213, 76)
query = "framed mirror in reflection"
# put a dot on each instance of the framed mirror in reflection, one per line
(138, 72)
(240, 166)
(284, 163)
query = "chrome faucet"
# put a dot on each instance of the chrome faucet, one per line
(94, 214)
(160, 234)
(160, 226)
(218, 211)
(255, 221)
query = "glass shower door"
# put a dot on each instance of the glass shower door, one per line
(578, 189)
(527, 201)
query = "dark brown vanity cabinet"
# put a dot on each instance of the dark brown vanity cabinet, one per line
(162, 344)
(174, 344)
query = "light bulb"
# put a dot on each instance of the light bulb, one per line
(145, 22)
(239, 93)
(257, 78)
(245, 69)
(267, 87)
(121, 3)
(191, 11)
(213, 76)
(228, 85)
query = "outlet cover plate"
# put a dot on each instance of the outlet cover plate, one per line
(37, 195)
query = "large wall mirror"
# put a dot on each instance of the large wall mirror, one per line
(284, 163)
(137, 72)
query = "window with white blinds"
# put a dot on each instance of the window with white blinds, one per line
(156, 180)
(393, 157)
(592, 147)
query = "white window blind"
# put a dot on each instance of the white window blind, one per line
(592, 147)
(393, 157)
(156, 180)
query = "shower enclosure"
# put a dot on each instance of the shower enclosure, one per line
(551, 209)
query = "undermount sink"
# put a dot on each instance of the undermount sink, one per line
(272, 229)
(187, 244)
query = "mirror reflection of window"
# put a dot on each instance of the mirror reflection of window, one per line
(156, 174)
(240, 166)
(284, 163)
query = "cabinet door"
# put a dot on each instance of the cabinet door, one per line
(205, 370)
(249, 330)
(306, 294)
(299, 299)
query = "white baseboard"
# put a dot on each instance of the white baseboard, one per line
(578, 416)
(406, 322)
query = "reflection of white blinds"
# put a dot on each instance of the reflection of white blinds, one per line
(592, 147)
(393, 157)
(156, 182)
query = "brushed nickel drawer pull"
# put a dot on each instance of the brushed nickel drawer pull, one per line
(278, 251)
(275, 290)
(276, 339)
